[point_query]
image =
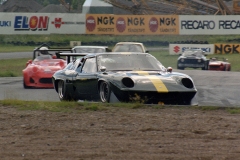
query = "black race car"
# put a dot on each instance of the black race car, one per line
(194, 58)
(117, 77)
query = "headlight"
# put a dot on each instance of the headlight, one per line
(187, 83)
(128, 82)
(35, 69)
(182, 60)
(199, 60)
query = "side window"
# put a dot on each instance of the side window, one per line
(75, 64)
(89, 66)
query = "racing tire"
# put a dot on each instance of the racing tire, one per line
(181, 68)
(105, 92)
(24, 85)
(229, 68)
(205, 68)
(62, 93)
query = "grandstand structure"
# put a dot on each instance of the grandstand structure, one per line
(180, 7)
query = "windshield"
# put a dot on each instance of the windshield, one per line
(89, 50)
(42, 57)
(140, 62)
(193, 53)
(128, 48)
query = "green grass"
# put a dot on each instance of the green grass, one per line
(6, 39)
(14, 67)
(81, 107)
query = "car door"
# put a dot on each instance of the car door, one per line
(86, 80)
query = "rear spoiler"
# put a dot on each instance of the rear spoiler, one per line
(70, 55)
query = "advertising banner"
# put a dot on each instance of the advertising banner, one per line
(227, 48)
(132, 24)
(42, 23)
(209, 25)
(177, 49)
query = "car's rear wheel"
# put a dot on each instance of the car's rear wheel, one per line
(105, 92)
(62, 93)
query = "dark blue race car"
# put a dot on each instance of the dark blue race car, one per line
(194, 58)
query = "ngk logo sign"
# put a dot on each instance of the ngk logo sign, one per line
(153, 24)
(176, 49)
(121, 24)
(90, 23)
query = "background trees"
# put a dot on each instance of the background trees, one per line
(74, 3)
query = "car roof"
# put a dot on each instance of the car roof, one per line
(116, 53)
(129, 43)
(90, 47)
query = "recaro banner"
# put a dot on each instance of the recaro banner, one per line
(42, 23)
(132, 24)
(209, 25)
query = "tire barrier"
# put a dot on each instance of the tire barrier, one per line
(100, 43)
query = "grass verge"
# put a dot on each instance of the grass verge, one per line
(79, 107)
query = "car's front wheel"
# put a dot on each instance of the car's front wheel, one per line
(104, 92)
(24, 85)
(62, 93)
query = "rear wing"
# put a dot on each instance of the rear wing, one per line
(51, 50)
(70, 56)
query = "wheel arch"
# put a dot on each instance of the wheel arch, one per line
(100, 81)
(55, 83)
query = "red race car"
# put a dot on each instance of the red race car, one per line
(219, 64)
(38, 72)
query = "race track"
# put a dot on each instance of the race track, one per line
(215, 88)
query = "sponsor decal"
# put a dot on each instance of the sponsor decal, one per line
(168, 25)
(133, 23)
(100, 24)
(58, 22)
(120, 24)
(153, 24)
(107, 22)
(227, 48)
(229, 24)
(137, 21)
(176, 49)
(90, 23)
(198, 24)
(5, 23)
(202, 48)
(31, 23)
(168, 21)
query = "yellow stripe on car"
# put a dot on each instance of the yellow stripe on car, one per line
(143, 73)
(157, 82)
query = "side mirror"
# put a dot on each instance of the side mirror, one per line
(147, 51)
(103, 69)
(169, 69)
(28, 62)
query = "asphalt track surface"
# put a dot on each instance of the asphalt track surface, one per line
(215, 88)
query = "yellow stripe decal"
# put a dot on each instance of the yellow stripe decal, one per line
(159, 85)
(142, 73)
(157, 82)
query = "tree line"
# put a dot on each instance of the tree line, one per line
(73, 3)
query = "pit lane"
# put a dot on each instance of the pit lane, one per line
(215, 88)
